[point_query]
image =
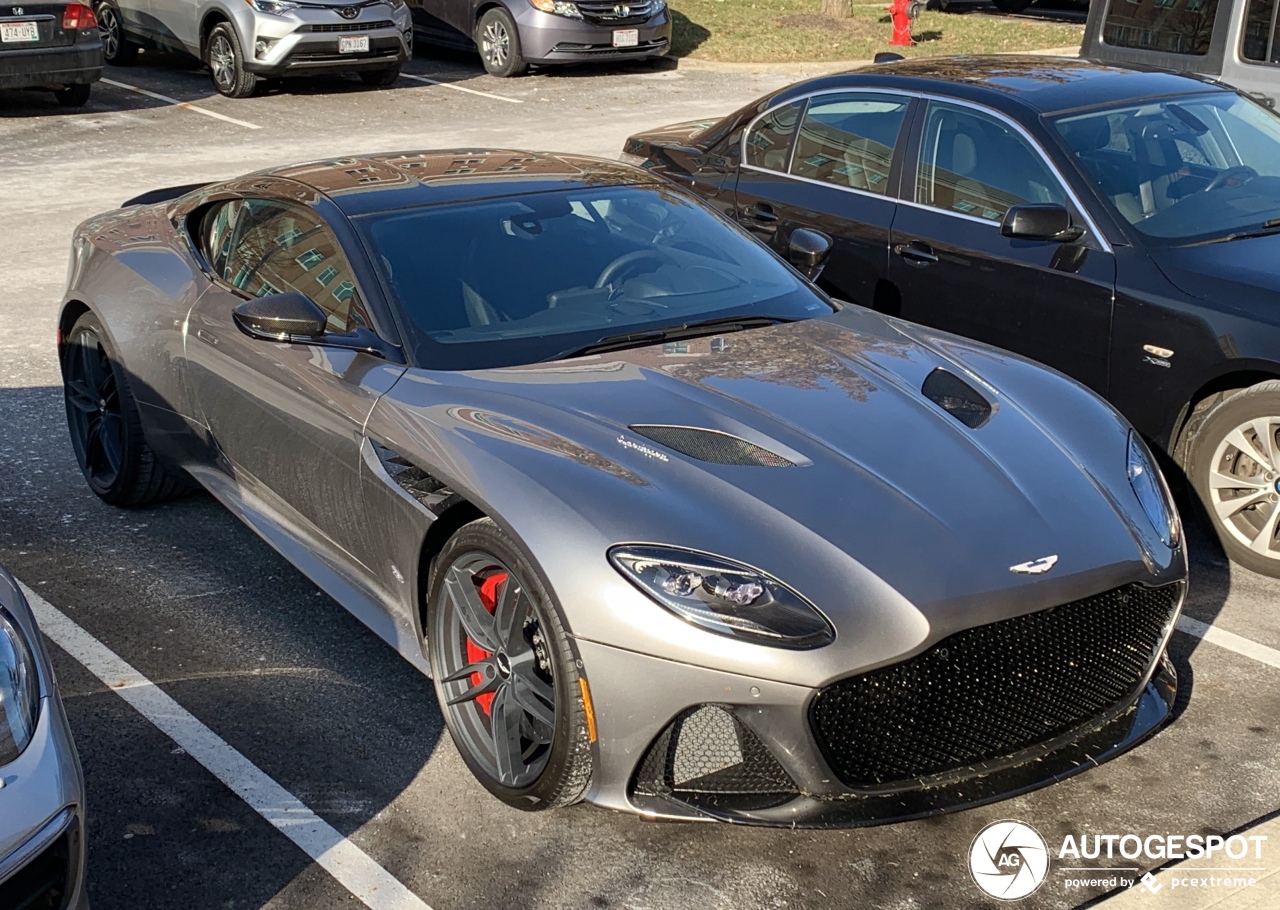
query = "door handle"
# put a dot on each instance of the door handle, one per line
(916, 252)
(206, 337)
(762, 212)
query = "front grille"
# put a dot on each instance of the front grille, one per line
(605, 50)
(708, 758)
(993, 691)
(616, 12)
(45, 882)
(348, 27)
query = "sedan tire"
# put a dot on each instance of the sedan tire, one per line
(225, 59)
(1234, 460)
(106, 432)
(73, 95)
(499, 43)
(381, 78)
(505, 674)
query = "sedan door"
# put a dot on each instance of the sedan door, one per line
(287, 419)
(828, 163)
(955, 270)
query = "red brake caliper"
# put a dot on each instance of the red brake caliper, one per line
(475, 653)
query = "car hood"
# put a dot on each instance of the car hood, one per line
(1233, 274)
(675, 133)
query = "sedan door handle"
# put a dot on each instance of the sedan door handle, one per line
(762, 212)
(917, 252)
(206, 337)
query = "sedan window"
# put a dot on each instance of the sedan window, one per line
(848, 140)
(974, 164)
(768, 142)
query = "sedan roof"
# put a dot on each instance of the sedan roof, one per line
(1046, 84)
(394, 180)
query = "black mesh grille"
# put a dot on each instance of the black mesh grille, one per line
(347, 27)
(992, 691)
(616, 12)
(707, 757)
(43, 883)
(712, 446)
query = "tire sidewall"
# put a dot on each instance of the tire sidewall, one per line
(1224, 418)
(570, 734)
(242, 83)
(515, 58)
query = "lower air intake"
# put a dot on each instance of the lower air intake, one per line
(713, 446)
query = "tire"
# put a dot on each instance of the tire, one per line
(117, 49)
(225, 59)
(499, 42)
(106, 433)
(1238, 442)
(1012, 6)
(73, 95)
(541, 758)
(381, 78)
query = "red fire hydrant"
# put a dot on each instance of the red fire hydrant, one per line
(902, 12)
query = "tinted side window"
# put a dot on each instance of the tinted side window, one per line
(215, 233)
(1261, 29)
(848, 140)
(977, 165)
(768, 142)
(1169, 26)
(280, 247)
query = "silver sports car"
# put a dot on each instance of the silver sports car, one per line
(671, 531)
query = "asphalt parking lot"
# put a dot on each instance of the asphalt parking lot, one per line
(207, 612)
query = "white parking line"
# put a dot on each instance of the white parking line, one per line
(460, 88)
(1229, 640)
(183, 104)
(354, 869)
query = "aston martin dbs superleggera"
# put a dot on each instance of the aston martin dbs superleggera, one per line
(671, 531)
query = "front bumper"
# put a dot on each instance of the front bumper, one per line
(547, 38)
(306, 41)
(752, 755)
(53, 67)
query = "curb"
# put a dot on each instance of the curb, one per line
(820, 67)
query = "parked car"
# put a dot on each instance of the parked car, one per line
(512, 34)
(246, 41)
(1120, 226)
(53, 46)
(41, 785)
(671, 531)
(1237, 41)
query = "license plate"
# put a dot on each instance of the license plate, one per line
(13, 32)
(626, 37)
(353, 44)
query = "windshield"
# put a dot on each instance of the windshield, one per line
(520, 279)
(1183, 169)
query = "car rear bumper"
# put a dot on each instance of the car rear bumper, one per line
(52, 67)
(547, 38)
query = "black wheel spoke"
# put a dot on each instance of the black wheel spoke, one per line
(476, 621)
(535, 696)
(488, 683)
(508, 751)
(111, 440)
(509, 615)
(477, 667)
(81, 397)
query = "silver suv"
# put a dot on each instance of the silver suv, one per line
(245, 41)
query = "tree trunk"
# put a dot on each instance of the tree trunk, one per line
(837, 9)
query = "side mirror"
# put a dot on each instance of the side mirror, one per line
(281, 317)
(1040, 221)
(808, 251)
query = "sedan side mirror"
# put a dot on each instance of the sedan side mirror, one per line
(1040, 221)
(281, 317)
(808, 252)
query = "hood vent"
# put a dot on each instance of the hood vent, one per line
(713, 446)
(959, 399)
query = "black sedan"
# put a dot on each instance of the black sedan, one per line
(53, 46)
(1121, 226)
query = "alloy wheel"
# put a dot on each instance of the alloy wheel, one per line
(93, 403)
(109, 31)
(496, 44)
(496, 672)
(222, 60)
(1244, 485)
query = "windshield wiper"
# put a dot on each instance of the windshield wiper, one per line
(671, 333)
(1268, 227)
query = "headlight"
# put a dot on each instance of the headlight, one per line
(275, 7)
(1149, 486)
(724, 597)
(558, 7)
(19, 691)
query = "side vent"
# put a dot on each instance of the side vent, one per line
(429, 491)
(959, 399)
(713, 446)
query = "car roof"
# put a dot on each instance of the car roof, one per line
(394, 180)
(1045, 84)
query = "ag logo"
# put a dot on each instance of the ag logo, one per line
(1009, 860)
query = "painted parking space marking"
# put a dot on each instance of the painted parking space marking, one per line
(186, 105)
(462, 88)
(354, 869)
(1230, 641)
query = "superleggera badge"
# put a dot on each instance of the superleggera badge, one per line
(642, 449)
(1036, 566)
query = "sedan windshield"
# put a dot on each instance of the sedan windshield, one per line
(521, 279)
(1196, 168)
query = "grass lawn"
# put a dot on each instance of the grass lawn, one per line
(779, 31)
